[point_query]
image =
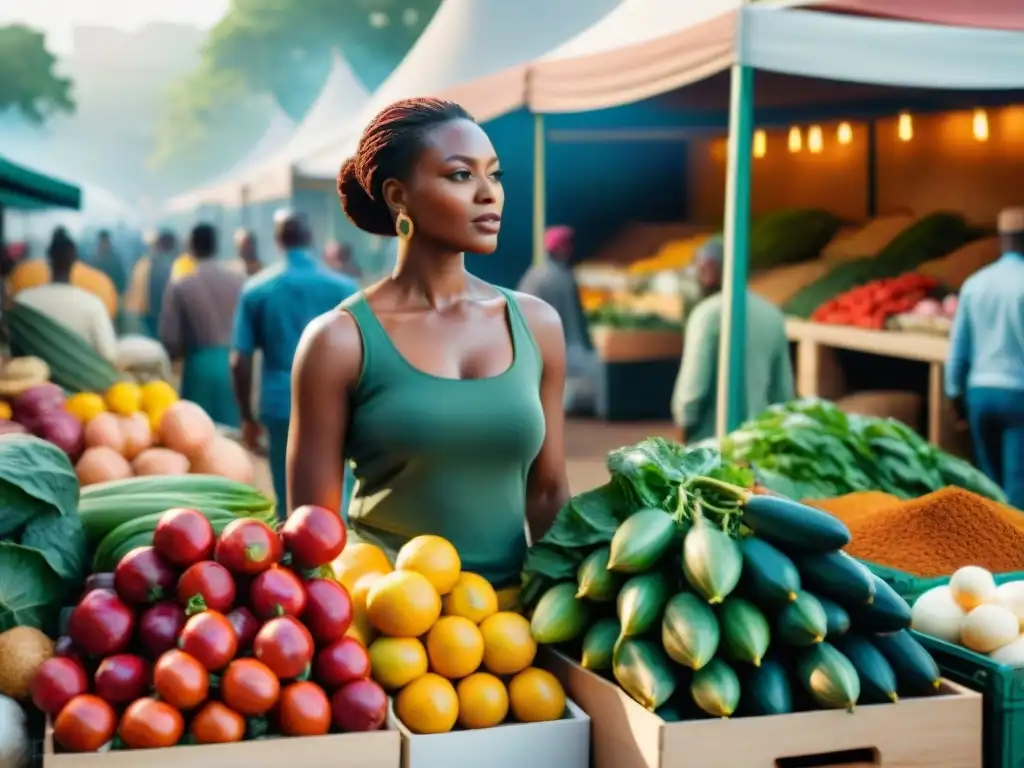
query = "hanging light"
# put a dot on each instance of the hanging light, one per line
(844, 133)
(815, 140)
(795, 141)
(905, 127)
(760, 143)
(980, 125)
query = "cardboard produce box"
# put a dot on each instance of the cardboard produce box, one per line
(561, 743)
(942, 731)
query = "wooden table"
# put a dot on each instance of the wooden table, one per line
(818, 374)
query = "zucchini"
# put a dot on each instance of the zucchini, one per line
(139, 533)
(792, 526)
(102, 515)
(559, 617)
(599, 645)
(641, 602)
(772, 576)
(917, 674)
(745, 631)
(594, 580)
(690, 632)
(107, 560)
(838, 576)
(877, 679)
(802, 622)
(837, 620)
(716, 689)
(249, 497)
(767, 690)
(888, 612)
(829, 677)
(641, 541)
(712, 562)
(644, 672)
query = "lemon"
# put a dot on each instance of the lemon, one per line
(157, 397)
(472, 597)
(124, 398)
(455, 647)
(432, 557)
(357, 560)
(428, 705)
(361, 589)
(535, 696)
(403, 604)
(85, 406)
(483, 701)
(397, 661)
(361, 629)
(508, 645)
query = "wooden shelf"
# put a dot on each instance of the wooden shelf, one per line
(924, 347)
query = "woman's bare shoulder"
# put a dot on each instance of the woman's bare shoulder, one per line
(540, 316)
(333, 345)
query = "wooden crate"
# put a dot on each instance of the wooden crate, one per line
(619, 345)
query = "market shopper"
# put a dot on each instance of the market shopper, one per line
(195, 327)
(275, 308)
(248, 251)
(444, 391)
(985, 367)
(769, 370)
(150, 276)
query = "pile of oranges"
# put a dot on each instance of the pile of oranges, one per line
(439, 643)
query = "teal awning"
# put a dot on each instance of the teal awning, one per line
(23, 188)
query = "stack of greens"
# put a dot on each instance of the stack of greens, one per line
(42, 544)
(809, 449)
(701, 597)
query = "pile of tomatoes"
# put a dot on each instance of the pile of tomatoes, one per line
(207, 640)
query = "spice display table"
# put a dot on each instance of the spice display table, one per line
(818, 373)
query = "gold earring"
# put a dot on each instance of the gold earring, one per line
(404, 226)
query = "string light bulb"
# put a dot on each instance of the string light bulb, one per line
(795, 140)
(760, 148)
(980, 125)
(844, 133)
(905, 127)
(815, 139)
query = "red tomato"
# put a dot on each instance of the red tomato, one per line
(248, 546)
(340, 663)
(250, 687)
(245, 625)
(85, 724)
(184, 537)
(209, 581)
(314, 536)
(160, 627)
(143, 577)
(56, 682)
(66, 649)
(180, 680)
(360, 705)
(217, 724)
(304, 710)
(277, 592)
(284, 645)
(328, 610)
(121, 678)
(210, 638)
(101, 625)
(150, 724)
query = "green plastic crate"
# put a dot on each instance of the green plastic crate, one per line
(907, 586)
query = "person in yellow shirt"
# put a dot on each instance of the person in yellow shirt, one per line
(183, 266)
(34, 273)
(147, 285)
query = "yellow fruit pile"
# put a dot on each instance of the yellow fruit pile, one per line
(125, 398)
(438, 643)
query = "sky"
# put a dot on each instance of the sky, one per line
(57, 17)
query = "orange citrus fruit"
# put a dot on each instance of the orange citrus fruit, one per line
(357, 560)
(535, 696)
(403, 604)
(508, 645)
(483, 701)
(455, 647)
(472, 597)
(428, 705)
(432, 557)
(397, 661)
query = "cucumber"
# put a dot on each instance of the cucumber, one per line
(641, 541)
(644, 672)
(641, 602)
(837, 620)
(772, 576)
(877, 679)
(802, 622)
(712, 562)
(767, 690)
(716, 689)
(594, 579)
(599, 645)
(792, 526)
(917, 674)
(888, 612)
(139, 533)
(838, 576)
(690, 632)
(745, 631)
(829, 677)
(559, 617)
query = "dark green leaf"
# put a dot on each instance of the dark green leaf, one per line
(588, 519)
(39, 469)
(62, 542)
(30, 589)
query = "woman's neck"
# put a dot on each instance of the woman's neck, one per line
(438, 276)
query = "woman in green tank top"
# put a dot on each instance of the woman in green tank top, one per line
(444, 391)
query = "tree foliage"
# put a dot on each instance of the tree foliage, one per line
(28, 78)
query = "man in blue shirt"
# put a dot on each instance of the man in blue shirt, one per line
(985, 369)
(275, 308)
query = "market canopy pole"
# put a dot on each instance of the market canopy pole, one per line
(732, 348)
(539, 192)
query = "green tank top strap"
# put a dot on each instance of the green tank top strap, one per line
(378, 350)
(522, 336)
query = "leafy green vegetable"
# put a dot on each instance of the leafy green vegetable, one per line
(28, 588)
(41, 470)
(62, 542)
